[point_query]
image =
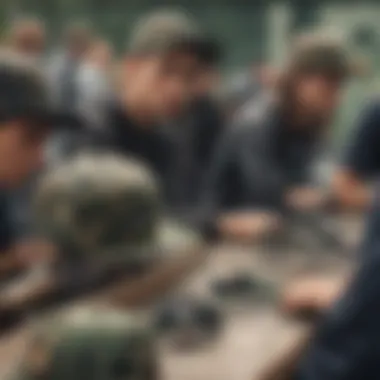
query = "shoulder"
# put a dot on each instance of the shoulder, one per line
(372, 106)
(368, 123)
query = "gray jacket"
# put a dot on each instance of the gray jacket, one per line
(257, 161)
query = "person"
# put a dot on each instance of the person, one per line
(103, 214)
(353, 190)
(26, 119)
(83, 341)
(64, 68)
(64, 65)
(197, 133)
(263, 165)
(95, 84)
(345, 344)
(27, 36)
(164, 59)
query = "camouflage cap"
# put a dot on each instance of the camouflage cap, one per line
(314, 53)
(89, 342)
(107, 208)
(163, 31)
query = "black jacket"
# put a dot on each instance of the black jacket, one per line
(195, 139)
(258, 159)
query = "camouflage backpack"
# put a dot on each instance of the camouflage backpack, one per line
(107, 208)
(90, 343)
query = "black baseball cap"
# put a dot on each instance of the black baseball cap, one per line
(24, 94)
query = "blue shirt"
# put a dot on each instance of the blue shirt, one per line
(363, 154)
(347, 344)
(363, 159)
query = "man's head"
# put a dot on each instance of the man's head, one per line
(78, 39)
(317, 70)
(165, 57)
(90, 343)
(28, 37)
(26, 117)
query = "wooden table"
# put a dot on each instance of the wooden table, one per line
(253, 337)
(136, 292)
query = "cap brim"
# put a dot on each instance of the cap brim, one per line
(174, 238)
(172, 242)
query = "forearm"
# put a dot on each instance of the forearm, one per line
(351, 194)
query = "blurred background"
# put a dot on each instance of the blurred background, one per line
(252, 32)
(253, 41)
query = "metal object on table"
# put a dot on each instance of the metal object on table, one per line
(245, 288)
(187, 322)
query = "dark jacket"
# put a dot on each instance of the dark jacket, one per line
(258, 159)
(195, 139)
(347, 344)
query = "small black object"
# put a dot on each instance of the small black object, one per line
(10, 319)
(187, 315)
(239, 285)
(166, 318)
(207, 317)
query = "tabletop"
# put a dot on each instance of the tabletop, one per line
(253, 336)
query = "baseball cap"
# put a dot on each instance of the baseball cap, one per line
(314, 53)
(165, 31)
(107, 210)
(25, 94)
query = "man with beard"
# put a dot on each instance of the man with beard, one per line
(263, 167)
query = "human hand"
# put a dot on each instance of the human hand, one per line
(313, 294)
(247, 226)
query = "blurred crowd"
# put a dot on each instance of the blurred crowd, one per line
(234, 161)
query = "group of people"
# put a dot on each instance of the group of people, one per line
(232, 167)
